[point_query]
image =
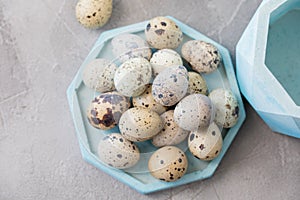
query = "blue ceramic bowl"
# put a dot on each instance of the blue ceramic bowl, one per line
(138, 177)
(268, 64)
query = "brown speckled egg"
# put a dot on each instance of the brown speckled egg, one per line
(164, 58)
(93, 13)
(163, 33)
(197, 84)
(106, 109)
(99, 75)
(170, 86)
(127, 46)
(146, 100)
(140, 124)
(206, 144)
(132, 77)
(171, 133)
(202, 56)
(194, 111)
(168, 163)
(227, 107)
(118, 152)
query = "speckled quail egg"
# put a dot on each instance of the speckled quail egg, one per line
(132, 77)
(164, 58)
(146, 100)
(127, 45)
(227, 108)
(170, 86)
(106, 109)
(93, 13)
(202, 56)
(194, 111)
(99, 75)
(197, 84)
(171, 133)
(140, 124)
(206, 144)
(168, 164)
(118, 152)
(163, 33)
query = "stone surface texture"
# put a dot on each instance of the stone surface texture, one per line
(41, 48)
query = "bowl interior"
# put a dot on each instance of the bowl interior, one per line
(283, 45)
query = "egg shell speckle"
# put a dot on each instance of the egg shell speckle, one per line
(99, 75)
(132, 77)
(197, 84)
(194, 111)
(93, 13)
(227, 107)
(171, 133)
(127, 46)
(168, 163)
(206, 144)
(170, 86)
(118, 152)
(146, 100)
(202, 56)
(164, 58)
(106, 109)
(140, 124)
(163, 33)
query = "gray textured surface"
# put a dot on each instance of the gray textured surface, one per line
(42, 47)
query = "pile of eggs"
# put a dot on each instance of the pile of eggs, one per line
(152, 96)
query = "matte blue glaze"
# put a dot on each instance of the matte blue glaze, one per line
(268, 64)
(138, 177)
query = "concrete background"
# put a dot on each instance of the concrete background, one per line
(41, 48)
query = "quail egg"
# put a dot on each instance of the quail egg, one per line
(93, 13)
(163, 33)
(227, 107)
(106, 109)
(132, 77)
(99, 75)
(202, 56)
(206, 143)
(197, 84)
(118, 152)
(168, 164)
(146, 100)
(170, 86)
(194, 111)
(164, 58)
(140, 124)
(127, 45)
(171, 133)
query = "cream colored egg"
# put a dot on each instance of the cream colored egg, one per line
(168, 163)
(93, 13)
(194, 111)
(197, 84)
(99, 75)
(203, 57)
(127, 46)
(146, 100)
(140, 124)
(206, 144)
(132, 77)
(118, 152)
(227, 107)
(163, 33)
(164, 58)
(106, 109)
(171, 133)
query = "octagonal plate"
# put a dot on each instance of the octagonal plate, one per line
(138, 177)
